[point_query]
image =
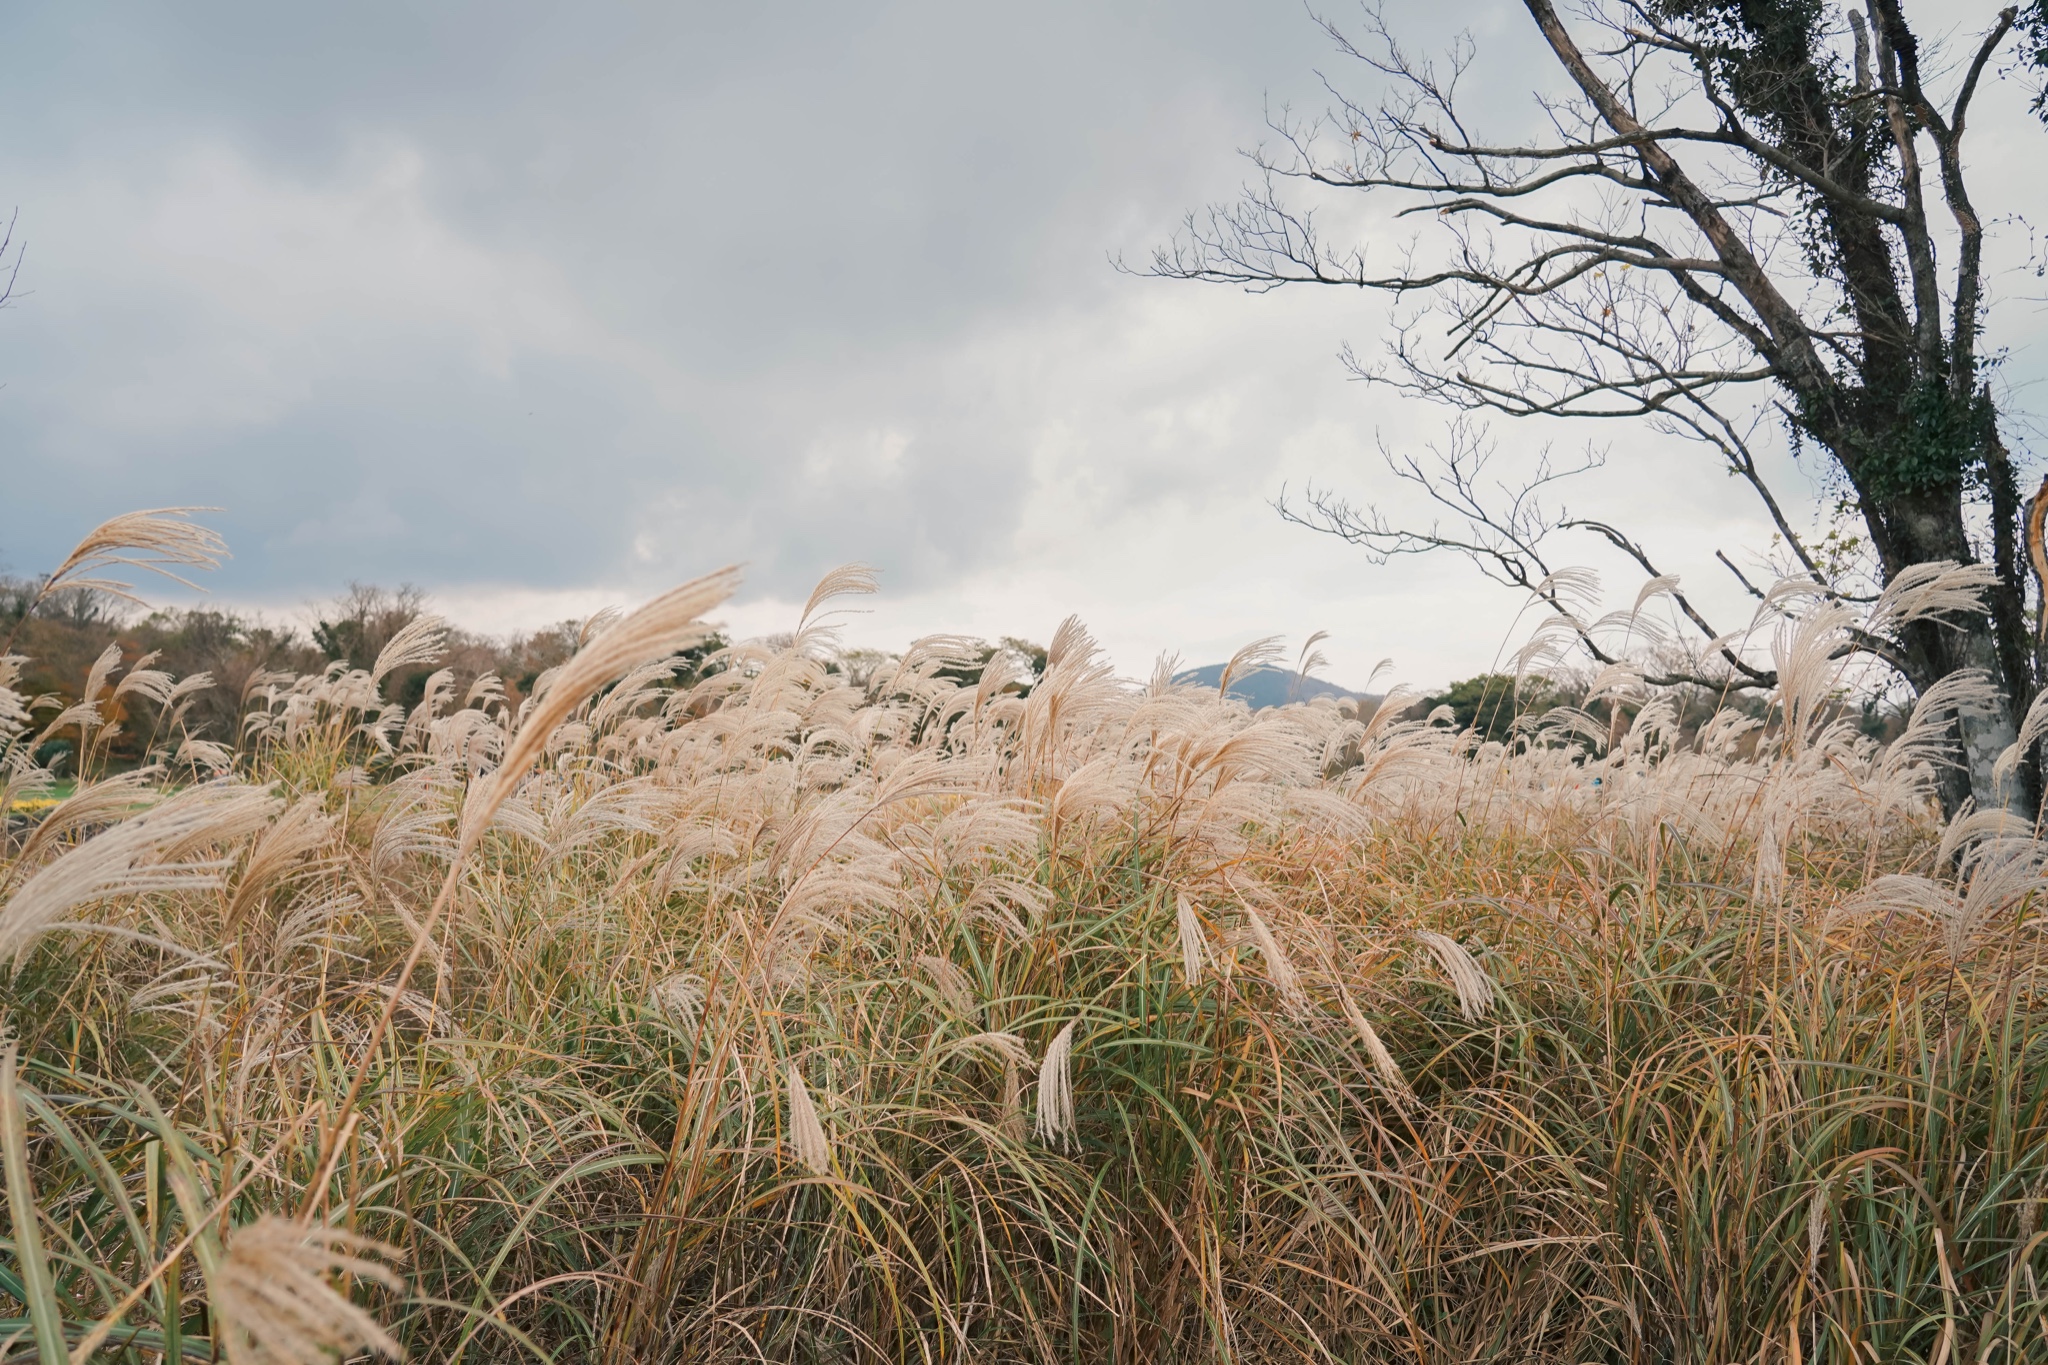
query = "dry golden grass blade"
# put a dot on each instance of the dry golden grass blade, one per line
(31, 1266)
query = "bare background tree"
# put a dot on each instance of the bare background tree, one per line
(1727, 230)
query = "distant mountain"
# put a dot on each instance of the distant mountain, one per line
(1266, 686)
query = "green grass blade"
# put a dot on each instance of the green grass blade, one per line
(34, 1271)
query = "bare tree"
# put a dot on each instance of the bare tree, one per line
(1725, 231)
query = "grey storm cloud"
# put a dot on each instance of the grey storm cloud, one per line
(524, 291)
(539, 305)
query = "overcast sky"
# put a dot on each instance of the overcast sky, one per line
(544, 307)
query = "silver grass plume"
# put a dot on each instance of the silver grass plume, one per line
(1012, 1123)
(278, 1305)
(954, 987)
(806, 1131)
(1383, 1062)
(680, 996)
(1255, 657)
(668, 623)
(1311, 658)
(846, 579)
(1007, 1046)
(1279, 968)
(1474, 988)
(14, 714)
(420, 641)
(161, 540)
(1930, 591)
(153, 684)
(2032, 729)
(101, 803)
(1054, 1121)
(1970, 827)
(278, 854)
(128, 859)
(1194, 944)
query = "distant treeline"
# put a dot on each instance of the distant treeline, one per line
(67, 634)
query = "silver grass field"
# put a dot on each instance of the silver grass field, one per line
(785, 1017)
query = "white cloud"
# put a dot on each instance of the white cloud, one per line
(541, 318)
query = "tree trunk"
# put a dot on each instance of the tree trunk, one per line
(1928, 525)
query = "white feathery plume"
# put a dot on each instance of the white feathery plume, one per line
(20, 781)
(275, 1294)
(440, 686)
(215, 758)
(1474, 988)
(1808, 655)
(846, 579)
(160, 540)
(1255, 657)
(1970, 826)
(1382, 1060)
(1664, 585)
(1194, 944)
(1553, 640)
(1573, 590)
(1311, 658)
(488, 689)
(999, 900)
(85, 712)
(125, 861)
(420, 641)
(2032, 729)
(664, 626)
(680, 996)
(14, 715)
(1011, 1124)
(1006, 1047)
(1930, 591)
(1622, 682)
(954, 987)
(806, 1131)
(179, 698)
(141, 680)
(596, 624)
(1054, 1121)
(102, 802)
(277, 854)
(1279, 969)
(2002, 873)
(1794, 589)
(1928, 738)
